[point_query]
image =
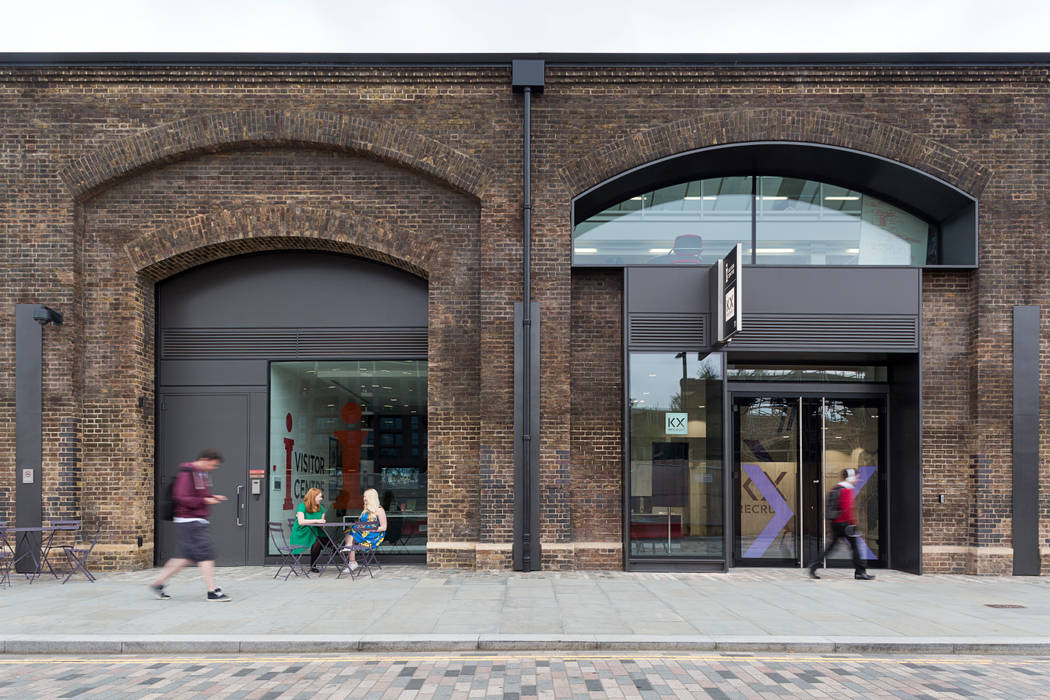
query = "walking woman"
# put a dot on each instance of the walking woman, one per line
(373, 513)
(304, 535)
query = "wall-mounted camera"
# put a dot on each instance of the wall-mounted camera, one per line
(44, 315)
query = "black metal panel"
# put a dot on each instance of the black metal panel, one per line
(667, 332)
(815, 333)
(292, 290)
(526, 546)
(913, 190)
(1026, 441)
(904, 506)
(28, 429)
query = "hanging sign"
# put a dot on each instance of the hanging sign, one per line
(728, 274)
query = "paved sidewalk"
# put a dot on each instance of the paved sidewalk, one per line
(408, 608)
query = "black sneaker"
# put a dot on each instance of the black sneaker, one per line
(813, 573)
(159, 592)
(218, 595)
(863, 576)
(314, 570)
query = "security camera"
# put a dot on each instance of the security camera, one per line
(43, 315)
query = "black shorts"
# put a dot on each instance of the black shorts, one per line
(194, 541)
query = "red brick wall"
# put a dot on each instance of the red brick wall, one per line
(421, 168)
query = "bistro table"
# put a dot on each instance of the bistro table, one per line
(24, 541)
(328, 543)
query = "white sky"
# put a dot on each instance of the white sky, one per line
(497, 26)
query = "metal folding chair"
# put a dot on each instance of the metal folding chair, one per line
(367, 552)
(7, 557)
(77, 555)
(72, 526)
(289, 556)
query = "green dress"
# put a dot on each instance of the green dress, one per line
(303, 536)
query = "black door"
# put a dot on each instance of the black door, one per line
(187, 424)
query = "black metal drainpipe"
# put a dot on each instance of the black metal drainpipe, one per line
(527, 76)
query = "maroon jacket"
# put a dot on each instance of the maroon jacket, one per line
(192, 486)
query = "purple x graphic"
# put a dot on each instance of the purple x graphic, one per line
(782, 512)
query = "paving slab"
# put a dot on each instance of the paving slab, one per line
(411, 607)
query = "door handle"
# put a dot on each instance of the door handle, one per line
(240, 505)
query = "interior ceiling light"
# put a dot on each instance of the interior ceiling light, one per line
(774, 197)
(584, 251)
(841, 198)
(660, 251)
(775, 251)
(852, 251)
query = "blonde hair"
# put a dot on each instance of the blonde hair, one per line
(371, 501)
(310, 501)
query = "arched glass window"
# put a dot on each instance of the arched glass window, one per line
(779, 221)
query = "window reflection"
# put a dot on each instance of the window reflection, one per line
(347, 426)
(676, 455)
(795, 221)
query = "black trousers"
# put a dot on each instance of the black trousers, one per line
(315, 551)
(839, 531)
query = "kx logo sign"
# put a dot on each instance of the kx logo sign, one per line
(676, 423)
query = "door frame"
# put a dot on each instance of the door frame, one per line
(804, 390)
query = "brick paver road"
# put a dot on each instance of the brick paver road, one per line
(515, 676)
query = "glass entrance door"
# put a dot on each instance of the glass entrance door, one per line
(790, 451)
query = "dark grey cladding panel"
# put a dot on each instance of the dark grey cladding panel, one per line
(828, 333)
(292, 290)
(791, 309)
(853, 291)
(663, 290)
(667, 332)
(291, 343)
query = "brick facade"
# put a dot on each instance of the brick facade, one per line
(113, 178)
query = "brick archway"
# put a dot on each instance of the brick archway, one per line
(789, 125)
(230, 130)
(167, 251)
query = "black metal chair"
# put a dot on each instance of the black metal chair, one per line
(290, 556)
(367, 551)
(7, 557)
(50, 545)
(77, 555)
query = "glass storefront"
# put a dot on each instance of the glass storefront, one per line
(347, 426)
(676, 494)
(779, 221)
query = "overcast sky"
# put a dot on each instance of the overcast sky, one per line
(411, 26)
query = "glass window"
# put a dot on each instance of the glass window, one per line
(804, 373)
(795, 222)
(690, 223)
(676, 455)
(347, 426)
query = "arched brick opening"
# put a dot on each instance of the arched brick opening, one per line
(241, 129)
(805, 126)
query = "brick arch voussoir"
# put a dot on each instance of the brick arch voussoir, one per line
(221, 131)
(804, 126)
(167, 251)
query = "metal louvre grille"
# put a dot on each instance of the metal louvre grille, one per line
(284, 343)
(806, 332)
(667, 332)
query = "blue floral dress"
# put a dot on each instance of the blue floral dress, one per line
(370, 539)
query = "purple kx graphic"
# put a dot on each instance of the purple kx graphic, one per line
(782, 512)
(863, 474)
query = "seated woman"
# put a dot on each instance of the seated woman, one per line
(374, 513)
(304, 535)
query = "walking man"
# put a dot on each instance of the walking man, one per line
(193, 498)
(844, 526)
